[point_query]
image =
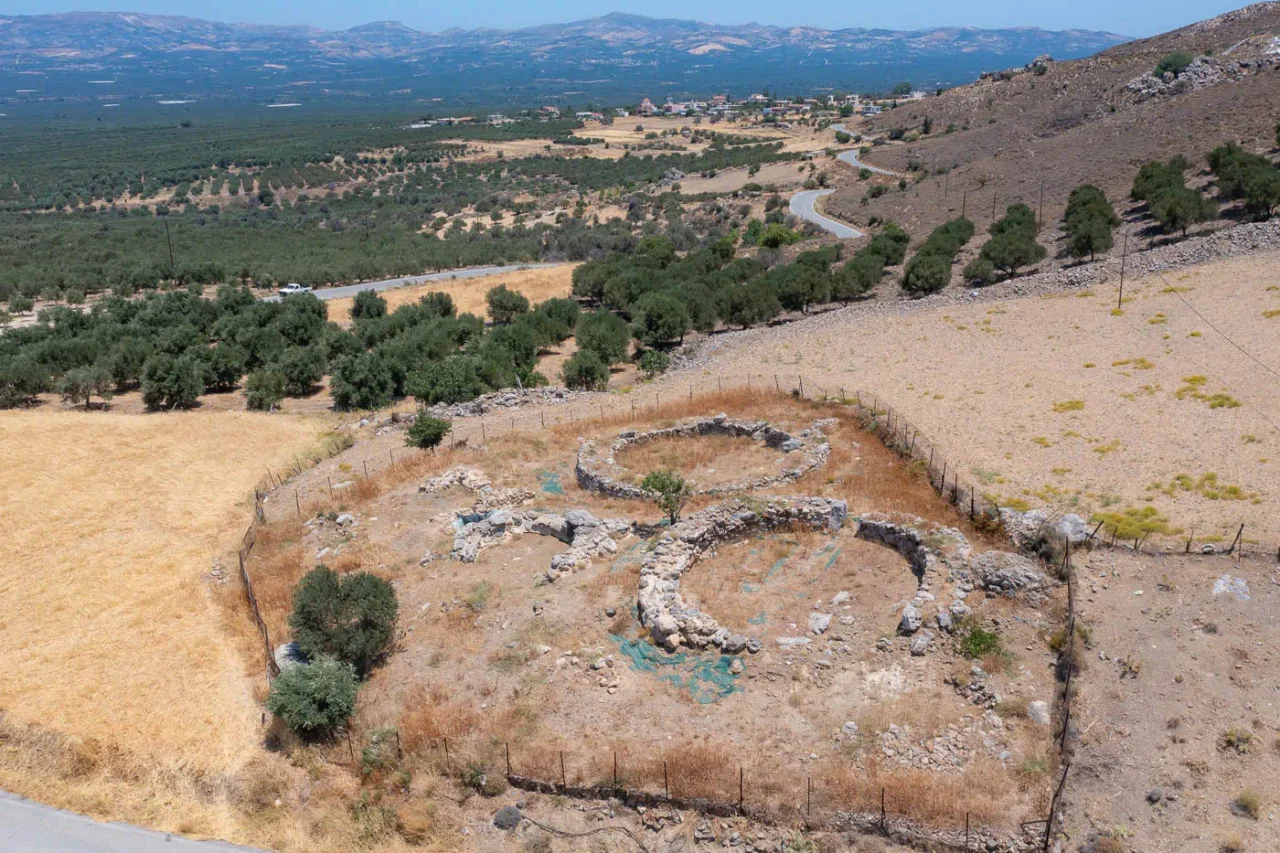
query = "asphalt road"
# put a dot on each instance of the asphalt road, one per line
(851, 157)
(405, 280)
(27, 827)
(802, 206)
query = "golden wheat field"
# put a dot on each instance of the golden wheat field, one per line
(108, 629)
(468, 294)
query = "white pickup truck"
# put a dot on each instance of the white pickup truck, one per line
(293, 289)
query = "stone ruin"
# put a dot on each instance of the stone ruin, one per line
(663, 611)
(492, 521)
(599, 471)
(941, 556)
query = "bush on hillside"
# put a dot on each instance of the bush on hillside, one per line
(585, 371)
(505, 304)
(348, 617)
(314, 699)
(427, 432)
(264, 389)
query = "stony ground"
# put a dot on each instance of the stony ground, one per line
(1176, 714)
(491, 653)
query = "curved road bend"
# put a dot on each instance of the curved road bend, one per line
(27, 827)
(802, 206)
(407, 280)
(851, 157)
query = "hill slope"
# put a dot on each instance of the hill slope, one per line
(1089, 120)
(614, 56)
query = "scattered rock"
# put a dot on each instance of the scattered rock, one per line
(1038, 713)
(507, 818)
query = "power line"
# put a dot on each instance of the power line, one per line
(1247, 354)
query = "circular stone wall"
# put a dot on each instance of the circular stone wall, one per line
(599, 471)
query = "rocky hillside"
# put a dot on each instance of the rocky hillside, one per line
(1061, 123)
(611, 56)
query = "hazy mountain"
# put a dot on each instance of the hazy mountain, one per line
(607, 58)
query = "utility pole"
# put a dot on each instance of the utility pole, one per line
(169, 241)
(1040, 215)
(1123, 257)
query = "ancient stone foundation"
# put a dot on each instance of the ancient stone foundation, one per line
(599, 471)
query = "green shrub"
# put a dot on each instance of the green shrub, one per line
(671, 490)
(927, 273)
(660, 319)
(604, 334)
(654, 362)
(979, 271)
(263, 390)
(585, 371)
(362, 381)
(350, 617)
(427, 432)
(505, 304)
(82, 384)
(172, 383)
(368, 305)
(226, 366)
(302, 368)
(977, 642)
(314, 699)
(1175, 62)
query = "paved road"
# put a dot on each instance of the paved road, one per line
(27, 827)
(851, 157)
(802, 206)
(404, 280)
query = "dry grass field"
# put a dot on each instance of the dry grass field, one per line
(111, 633)
(1059, 401)
(468, 294)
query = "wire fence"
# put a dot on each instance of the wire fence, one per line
(875, 416)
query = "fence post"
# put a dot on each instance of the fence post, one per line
(777, 387)
(297, 503)
(882, 811)
(802, 385)
(808, 796)
(666, 782)
(507, 745)
(1237, 541)
(447, 763)
(615, 768)
(564, 779)
(741, 778)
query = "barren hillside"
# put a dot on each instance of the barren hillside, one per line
(1089, 120)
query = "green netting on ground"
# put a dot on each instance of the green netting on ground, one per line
(550, 481)
(706, 677)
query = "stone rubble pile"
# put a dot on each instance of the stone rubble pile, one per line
(599, 472)
(502, 400)
(1007, 573)
(487, 497)
(978, 736)
(663, 611)
(1204, 71)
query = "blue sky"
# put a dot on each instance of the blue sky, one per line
(1129, 17)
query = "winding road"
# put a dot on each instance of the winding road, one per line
(408, 280)
(802, 206)
(802, 203)
(851, 157)
(27, 827)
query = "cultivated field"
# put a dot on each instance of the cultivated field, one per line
(1059, 401)
(112, 631)
(468, 294)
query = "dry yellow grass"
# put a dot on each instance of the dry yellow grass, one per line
(108, 630)
(468, 294)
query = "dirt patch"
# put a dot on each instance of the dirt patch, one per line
(468, 294)
(1177, 725)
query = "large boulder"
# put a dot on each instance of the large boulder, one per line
(1007, 573)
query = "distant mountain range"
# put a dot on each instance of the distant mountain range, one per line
(97, 56)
